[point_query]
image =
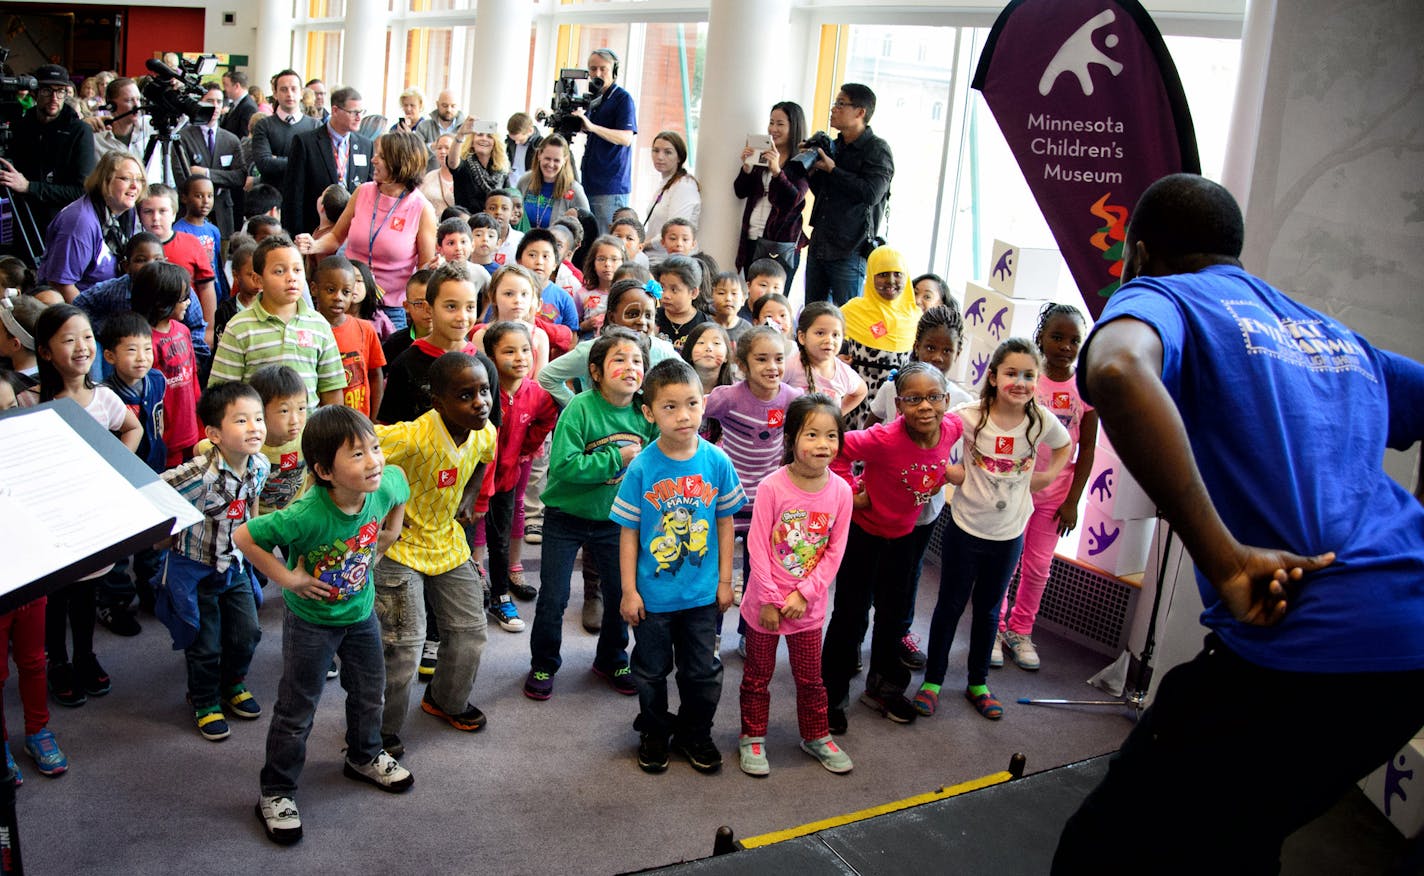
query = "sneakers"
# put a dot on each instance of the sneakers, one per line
(986, 705)
(118, 620)
(737, 590)
(393, 745)
(538, 685)
(836, 718)
(751, 751)
(240, 702)
(533, 533)
(742, 647)
(383, 772)
(926, 701)
(506, 615)
(829, 754)
(593, 612)
(701, 753)
(859, 663)
(911, 657)
(427, 660)
(470, 720)
(332, 671)
(1021, 647)
(92, 676)
(996, 656)
(12, 766)
(520, 588)
(211, 724)
(64, 685)
(892, 705)
(41, 746)
(280, 819)
(652, 753)
(620, 679)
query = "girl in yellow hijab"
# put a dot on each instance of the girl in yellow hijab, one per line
(880, 324)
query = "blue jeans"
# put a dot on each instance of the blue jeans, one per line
(834, 280)
(397, 316)
(563, 535)
(228, 633)
(307, 649)
(603, 206)
(684, 638)
(977, 567)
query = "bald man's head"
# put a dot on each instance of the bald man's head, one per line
(1181, 223)
(447, 107)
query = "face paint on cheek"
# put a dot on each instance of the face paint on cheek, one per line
(623, 371)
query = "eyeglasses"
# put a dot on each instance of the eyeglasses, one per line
(842, 104)
(47, 90)
(915, 401)
(130, 180)
(358, 113)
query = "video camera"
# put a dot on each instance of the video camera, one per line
(574, 90)
(172, 93)
(808, 156)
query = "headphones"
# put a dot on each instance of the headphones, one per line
(610, 55)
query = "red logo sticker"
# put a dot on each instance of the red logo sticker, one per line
(592, 302)
(290, 460)
(304, 338)
(237, 510)
(397, 223)
(879, 330)
(499, 258)
(775, 417)
(1062, 401)
(1004, 444)
(446, 478)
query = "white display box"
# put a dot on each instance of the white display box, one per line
(1118, 547)
(998, 316)
(1024, 273)
(1112, 490)
(1397, 789)
(972, 366)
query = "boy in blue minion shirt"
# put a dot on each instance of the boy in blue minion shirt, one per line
(675, 506)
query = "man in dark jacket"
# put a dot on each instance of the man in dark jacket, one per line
(234, 85)
(850, 186)
(333, 153)
(51, 152)
(272, 138)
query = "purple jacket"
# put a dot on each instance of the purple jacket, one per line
(788, 201)
(74, 245)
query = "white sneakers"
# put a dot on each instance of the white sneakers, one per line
(383, 772)
(996, 656)
(1024, 653)
(280, 819)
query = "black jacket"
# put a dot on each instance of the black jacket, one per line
(55, 158)
(271, 143)
(529, 154)
(849, 198)
(311, 167)
(237, 118)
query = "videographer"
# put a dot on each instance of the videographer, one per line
(850, 184)
(51, 151)
(130, 129)
(612, 125)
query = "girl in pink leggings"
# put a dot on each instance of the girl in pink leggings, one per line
(1055, 508)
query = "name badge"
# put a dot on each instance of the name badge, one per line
(359, 159)
(225, 160)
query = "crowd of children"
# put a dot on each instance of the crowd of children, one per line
(381, 455)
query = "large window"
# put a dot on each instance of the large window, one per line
(323, 55)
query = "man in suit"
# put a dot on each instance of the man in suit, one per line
(272, 139)
(216, 154)
(234, 86)
(333, 153)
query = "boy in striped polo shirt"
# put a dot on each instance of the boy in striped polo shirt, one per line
(281, 329)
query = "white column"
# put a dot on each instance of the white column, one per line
(273, 50)
(746, 74)
(363, 52)
(501, 74)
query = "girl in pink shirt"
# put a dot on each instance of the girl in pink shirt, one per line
(818, 367)
(796, 540)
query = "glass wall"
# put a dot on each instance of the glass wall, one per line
(323, 55)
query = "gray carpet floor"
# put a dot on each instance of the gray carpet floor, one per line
(546, 787)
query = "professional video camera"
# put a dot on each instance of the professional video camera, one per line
(808, 156)
(574, 90)
(172, 93)
(10, 88)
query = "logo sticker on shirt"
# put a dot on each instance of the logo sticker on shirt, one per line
(290, 461)
(1062, 401)
(446, 478)
(304, 338)
(499, 258)
(592, 302)
(237, 510)
(1004, 444)
(775, 417)
(879, 330)
(397, 223)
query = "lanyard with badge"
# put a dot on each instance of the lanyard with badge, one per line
(376, 229)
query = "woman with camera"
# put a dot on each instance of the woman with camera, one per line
(771, 222)
(550, 188)
(679, 198)
(477, 162)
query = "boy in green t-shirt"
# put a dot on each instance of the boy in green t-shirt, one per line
(332, 537)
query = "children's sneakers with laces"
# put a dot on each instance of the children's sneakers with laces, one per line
(996, 656)
(519, 586)
(652, 753)
(470, 720)
(533, 533)
(911, 657)
(427, 660)
(332, 670)
(393, 745)
(828, 753)
(506, 615)
(701, 753)
(211, 724)
(1021, 647)
(13, 767)
(751, 751)
(41, 746)
(538, 685)
(620, 679)
(92, 676)
(892, 705)
(118, 620)
(384, 772)
(240, 703)
(64, 685)
(280, 819)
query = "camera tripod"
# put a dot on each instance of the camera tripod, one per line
(26, 238)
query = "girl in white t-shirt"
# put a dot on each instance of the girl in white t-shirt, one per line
(984, 534)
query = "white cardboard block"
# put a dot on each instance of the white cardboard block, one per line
(1024, 273)
(1397, 789)
(999, 316)
(972, 365)
(1118, 547)
(1114, 491)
